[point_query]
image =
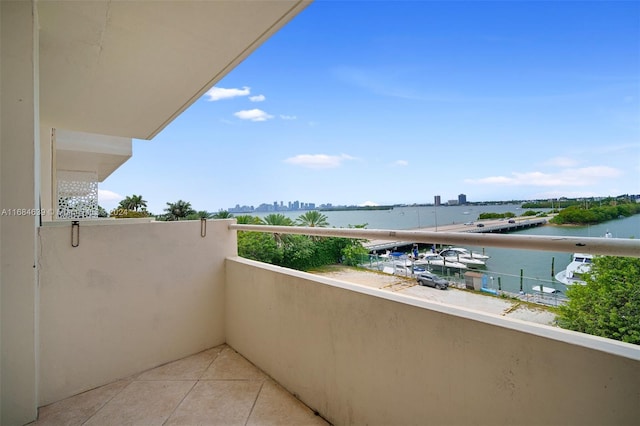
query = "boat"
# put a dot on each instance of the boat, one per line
(576, 270)
(435, 260)
(407, 267)
(463, 252)
(453, 255)
(545, 290)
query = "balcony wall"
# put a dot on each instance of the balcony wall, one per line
(365, 356)
(131, 296)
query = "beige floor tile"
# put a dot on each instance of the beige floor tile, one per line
(230, 391)
(276, 406)
(143, 403)
(77, 409)
(217, 403)
(230, 365)
(189, 368)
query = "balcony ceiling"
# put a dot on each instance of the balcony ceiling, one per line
(128, 68)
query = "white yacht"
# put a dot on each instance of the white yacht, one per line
(437, 261)
(458, 255)
(407, 267)
(579, 266)
(463, 252)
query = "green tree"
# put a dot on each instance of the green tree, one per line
(178, 210)
(603, 211)
(133, 202)
(354, 253)
(247, 219)
(298, 252)
(609, 304)
(201, 214)
(102, 212)
(277, 219)
(312, 218)
(222, 214)
(259, 246)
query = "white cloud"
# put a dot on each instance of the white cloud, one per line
(368, 204)
(104, 195)
(573, 177)
(217, 93)
(257, 98)
(318, 161)
(561, 162)
(288, 117)
(253, 115)
(401, 163)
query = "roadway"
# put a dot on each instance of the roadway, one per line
(490, 225)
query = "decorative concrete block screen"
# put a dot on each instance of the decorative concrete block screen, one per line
(77, 195)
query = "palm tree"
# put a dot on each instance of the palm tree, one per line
(133, 202)
(277, 219)
(247, 219)
(201, 214)
(313, 219)
(222, 214)
(178, 210)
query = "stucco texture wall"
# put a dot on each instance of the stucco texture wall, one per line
(128, 298)
(364, 356)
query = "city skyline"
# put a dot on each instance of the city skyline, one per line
(280, 206)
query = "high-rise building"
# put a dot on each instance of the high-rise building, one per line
(436, 200)
(462, 199)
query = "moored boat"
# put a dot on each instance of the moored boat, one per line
(576, 270)
(545, 290)
(463, 252)
(453, 255)
(407, 267)
(435, 260)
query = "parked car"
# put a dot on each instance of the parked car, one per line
(432, 280)
(512, 221)
(480, 225)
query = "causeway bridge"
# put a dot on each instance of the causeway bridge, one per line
(487, 226)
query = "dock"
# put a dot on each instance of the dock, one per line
(489, 226)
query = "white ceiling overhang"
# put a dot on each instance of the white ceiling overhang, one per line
(128, 68)
(88, 152)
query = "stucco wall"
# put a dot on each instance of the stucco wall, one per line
(19, 186)
(130, 297)
(366, 356)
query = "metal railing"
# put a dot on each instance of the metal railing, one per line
(594, 245)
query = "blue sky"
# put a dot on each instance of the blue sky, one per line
(393, 102)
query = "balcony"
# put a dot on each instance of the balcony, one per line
(216, 386)
(133, 297)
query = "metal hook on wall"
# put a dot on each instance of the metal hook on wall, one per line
(203, 227)
(75, 233)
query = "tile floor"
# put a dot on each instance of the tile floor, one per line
(215, 387)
